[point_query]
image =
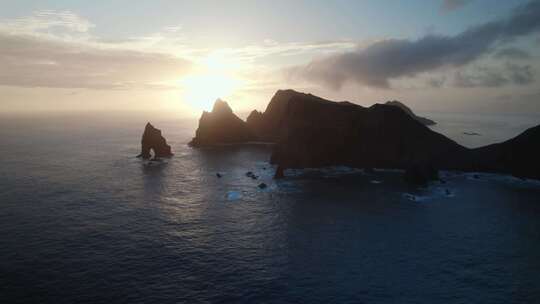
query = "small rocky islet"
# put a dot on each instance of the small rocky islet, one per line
(152, 140)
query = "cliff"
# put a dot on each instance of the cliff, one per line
(324, 133)
(310, 131)
(268, 125)
(318, 132)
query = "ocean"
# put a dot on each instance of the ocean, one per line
(84, 221)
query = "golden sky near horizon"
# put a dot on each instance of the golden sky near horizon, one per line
(180, 57)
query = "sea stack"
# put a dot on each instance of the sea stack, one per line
(221, 126)
(153, 140)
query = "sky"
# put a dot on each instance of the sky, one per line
(179, 56)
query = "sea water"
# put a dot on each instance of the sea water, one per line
(83, 220)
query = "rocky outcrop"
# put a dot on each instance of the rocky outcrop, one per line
(318, 133)
(221, 126)
(423, 120)
(310, 131)
(152, 140)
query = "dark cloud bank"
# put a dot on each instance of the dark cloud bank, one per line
(394, 58)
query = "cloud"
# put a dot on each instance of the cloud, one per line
(450, 5)
(436, 82)
(35, 62)
(54, 49)
(512, 53)
(389, 59)
(46, 21)
(494, 77)
(57, 49)
(271, 48)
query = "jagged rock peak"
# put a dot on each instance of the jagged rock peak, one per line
(254, 117)
(221, 106)
(221, 126)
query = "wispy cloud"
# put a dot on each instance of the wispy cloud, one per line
(389, 59)
(55, 49)
(450, 5)
(35, 62)
(512, 53)
(47, 22)
(494, 76)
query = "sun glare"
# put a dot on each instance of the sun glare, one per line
(202, 90)
(214, 80)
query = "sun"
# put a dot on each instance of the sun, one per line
(215, 79)
(202, 90)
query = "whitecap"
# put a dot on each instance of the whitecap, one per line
(410, 197)
(233, 195)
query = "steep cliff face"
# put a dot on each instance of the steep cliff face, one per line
(318, 132)
(153, 140)
(221, 126)
(268, 125)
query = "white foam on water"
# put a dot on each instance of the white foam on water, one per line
(494, 177)
(333, 171)
(233, 195)
(410, 197)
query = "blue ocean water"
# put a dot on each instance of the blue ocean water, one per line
(83, 221)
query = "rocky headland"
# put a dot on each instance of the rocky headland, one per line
(309, 132)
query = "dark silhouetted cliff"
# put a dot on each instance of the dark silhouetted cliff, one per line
(320, 133)
(310, 131)
(317, 132)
